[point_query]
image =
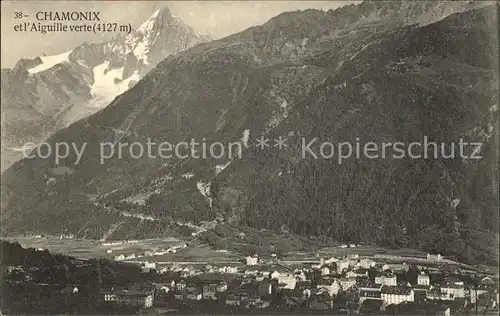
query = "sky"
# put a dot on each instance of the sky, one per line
(217, 18)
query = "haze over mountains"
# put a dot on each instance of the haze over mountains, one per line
(45, 94)
(378, 71)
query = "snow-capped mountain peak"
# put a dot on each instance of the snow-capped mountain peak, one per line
(157, 35)
(160, 18)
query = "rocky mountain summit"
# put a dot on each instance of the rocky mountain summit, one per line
(373, 72)
(47, 93)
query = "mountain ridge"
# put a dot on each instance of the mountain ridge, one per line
(396, 83)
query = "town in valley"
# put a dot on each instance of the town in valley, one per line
(384, 283)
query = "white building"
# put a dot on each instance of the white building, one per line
(325, 271)
(209, 292)
(399, 266)
(131, 256)
(120, 257)
(332, 286)
(251, 272)
(233, 299)
(342, 265)
(164, 289)
(397, 295)
(179, 296)
(222, 287)
(475, 294)
(347, 283)
(386, 279)
(300, 275)
(357, 273)
(149, 265)
(265, 289)
(423, 279)
(180, 285)
(369, 287)
(287, 281)
(194, 296)
(70, 290)
(251, 260)
(366, 263)
(331, 260)
(126, 298)
(317, 266)
(437, 257)
(372, 295)
(229, 270)
(452, 291)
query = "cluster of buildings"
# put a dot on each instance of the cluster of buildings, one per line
(147, 253)
(130, 297)
(349, 284)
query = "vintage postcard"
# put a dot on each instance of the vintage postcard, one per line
(249, 157)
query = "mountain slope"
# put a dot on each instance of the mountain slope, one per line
(47, 93)
(332, 75)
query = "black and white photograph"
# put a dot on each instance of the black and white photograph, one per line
(250, 157)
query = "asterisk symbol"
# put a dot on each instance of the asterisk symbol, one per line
(262, 142)
(280, 143)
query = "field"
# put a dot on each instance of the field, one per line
(198, 254)
(86, 248)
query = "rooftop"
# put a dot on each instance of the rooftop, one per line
(386, 274)
(421, 287)
(375, 294)
(326, 281)
(399, 290)
(452, 286)
(133, 293)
